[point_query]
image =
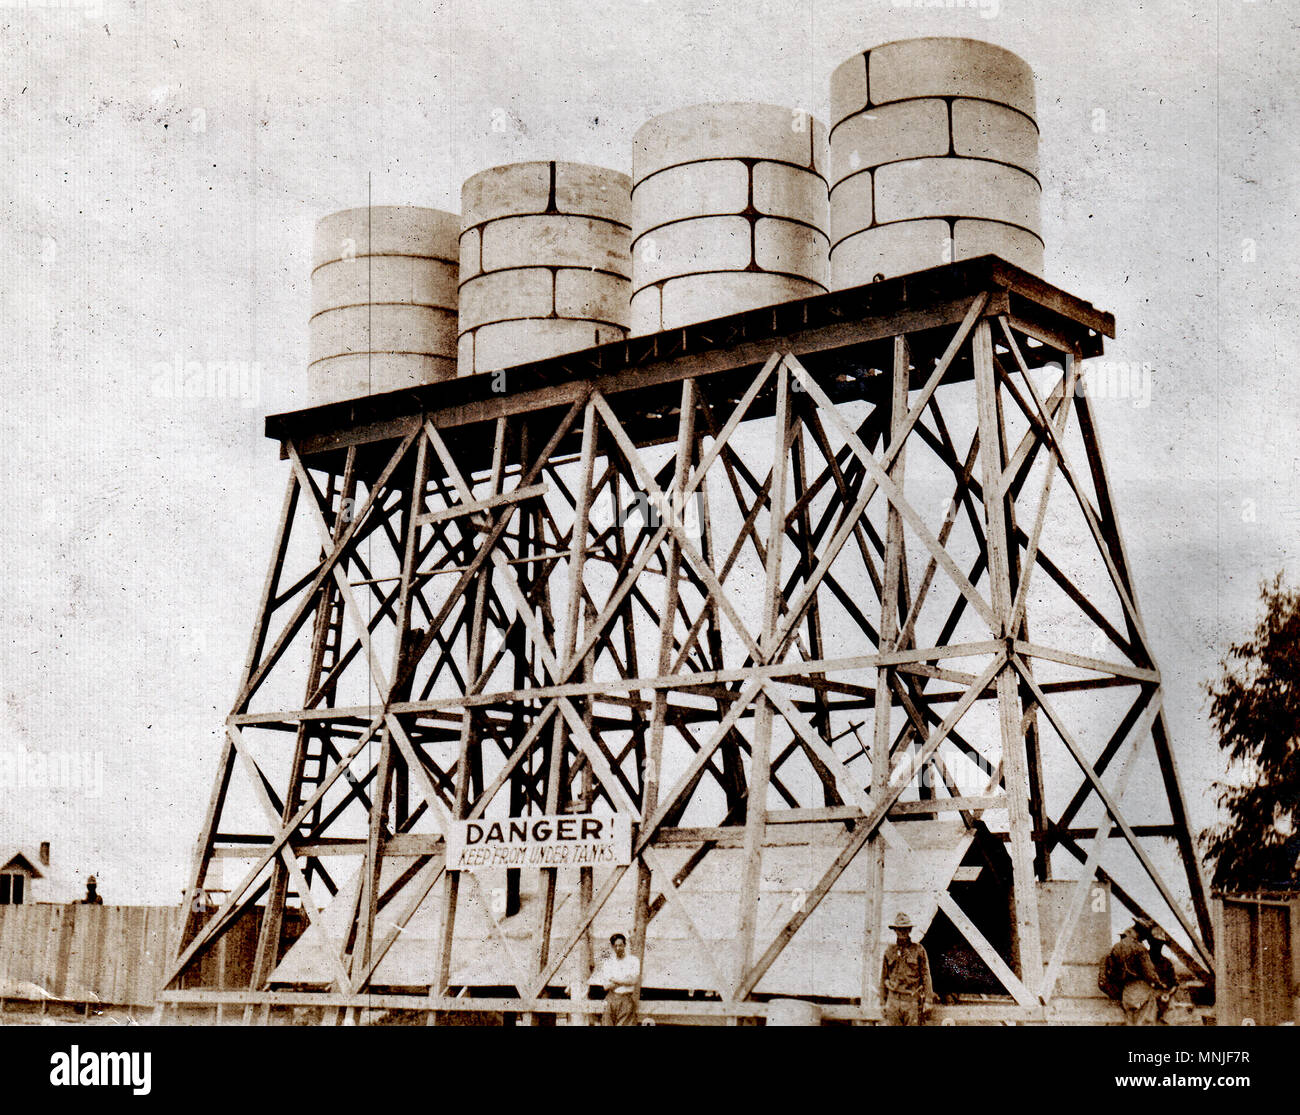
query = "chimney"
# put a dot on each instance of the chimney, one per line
(45, 852)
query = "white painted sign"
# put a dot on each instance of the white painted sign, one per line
(561, 840)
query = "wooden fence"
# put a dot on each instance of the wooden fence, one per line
(105, 954)
(109, 954)
(1258, 959)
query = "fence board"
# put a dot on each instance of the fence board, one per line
(108, 954)
(1256, 961)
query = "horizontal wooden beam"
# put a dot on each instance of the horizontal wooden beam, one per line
(1055, 832)
(403, 844)
(417, 1002)
(1097, 665)
(460, 510)
(787, 672)
(970, 1013)
(719, 359)
(875, 311)
(950, 805)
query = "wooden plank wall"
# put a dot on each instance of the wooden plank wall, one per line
(104, 954)
(1258, 961)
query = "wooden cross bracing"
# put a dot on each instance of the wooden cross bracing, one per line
(669, 598)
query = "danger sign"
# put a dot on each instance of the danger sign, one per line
(560, 840)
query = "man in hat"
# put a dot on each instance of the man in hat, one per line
(905, 989)
(620, 974)
(1129, 969)
(1157, 938)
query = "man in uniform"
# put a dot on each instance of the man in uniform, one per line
(1157, 938)
(905, 988)
(620, 974)
(1129, 969)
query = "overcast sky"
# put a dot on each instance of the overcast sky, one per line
(164, 165)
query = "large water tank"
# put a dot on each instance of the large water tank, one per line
(729, 212)
(933, 158)
(544, 262)
(383, 294)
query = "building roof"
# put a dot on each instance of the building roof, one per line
(50, 883)
(24, 859)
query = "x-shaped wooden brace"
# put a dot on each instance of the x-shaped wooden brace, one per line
(1112, 805)
(560, 674)
(506, 573)
(394, 725)
(1079, 895)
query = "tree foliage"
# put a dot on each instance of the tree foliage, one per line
(1255, 707)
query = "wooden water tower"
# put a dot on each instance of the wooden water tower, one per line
(761, 586)
(752, 594)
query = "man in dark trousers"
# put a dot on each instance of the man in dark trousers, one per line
(1128, 970)
(905, 988)
(1157, 938)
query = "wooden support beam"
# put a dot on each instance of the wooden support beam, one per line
(488, 503)
(686, 444)
(207, 832)
(1112, 808)
(1164, 752)
(468, 733)
(889, 631)
(992, 444)
(761, 745)
(1079, 895)
(568, 641)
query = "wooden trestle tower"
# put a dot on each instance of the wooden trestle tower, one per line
(582, 585)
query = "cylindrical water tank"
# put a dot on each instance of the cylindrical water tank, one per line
(729, 212)
(383, 293)
(544, 262)
(933, 158)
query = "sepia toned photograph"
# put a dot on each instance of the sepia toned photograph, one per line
(650, 513)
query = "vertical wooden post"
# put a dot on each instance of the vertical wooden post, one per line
(760, 755)
(524, 661)
(268, 940)
(1014, 764)
(468, 732)
(569, 636)
(882, 733)
(586, 876)
(368, 896)
(659, 699)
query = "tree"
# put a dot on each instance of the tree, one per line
(1255, 707)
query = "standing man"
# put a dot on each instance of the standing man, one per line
(1128, 970)
(905, 989)
(620, 974)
